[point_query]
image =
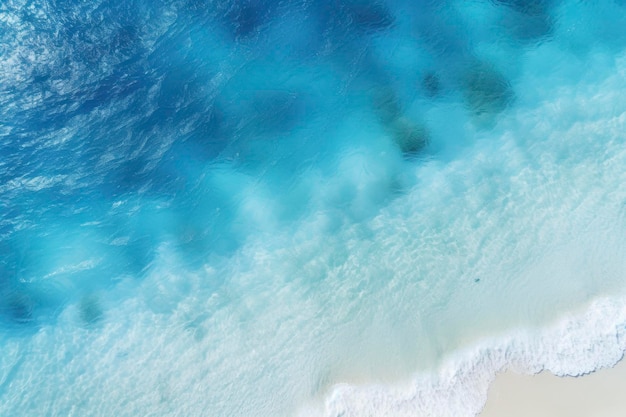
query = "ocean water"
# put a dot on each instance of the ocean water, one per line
(306, 208)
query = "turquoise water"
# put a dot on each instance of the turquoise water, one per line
(351, 208)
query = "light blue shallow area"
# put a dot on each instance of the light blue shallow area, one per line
(225, 208)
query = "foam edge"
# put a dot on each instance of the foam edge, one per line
(576, 345)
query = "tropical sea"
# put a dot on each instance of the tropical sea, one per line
(314, 208)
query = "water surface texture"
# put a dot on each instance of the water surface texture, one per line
(306, 208)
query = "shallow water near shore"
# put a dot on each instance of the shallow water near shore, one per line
(306, 208)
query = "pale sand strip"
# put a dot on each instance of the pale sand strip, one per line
(600, 394)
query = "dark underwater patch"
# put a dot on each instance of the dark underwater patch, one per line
(410, 137)
(18, 307)
(369, 16)
(527, 7)
(90, 310)
(528, 20)
(244, 19)
(486, 91)
(431, 85)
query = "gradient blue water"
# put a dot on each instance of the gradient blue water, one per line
(228, 207)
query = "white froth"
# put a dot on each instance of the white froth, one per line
(573, 346)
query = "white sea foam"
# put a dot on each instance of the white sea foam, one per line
(573, 346)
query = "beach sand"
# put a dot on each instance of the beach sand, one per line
(599, 394)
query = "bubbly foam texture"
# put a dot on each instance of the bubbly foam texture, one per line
(574, 346)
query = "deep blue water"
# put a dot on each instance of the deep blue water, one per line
(135, 103)
(296, 181)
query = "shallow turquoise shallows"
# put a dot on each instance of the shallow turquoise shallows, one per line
(259, 208)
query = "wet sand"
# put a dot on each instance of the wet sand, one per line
(599, 394)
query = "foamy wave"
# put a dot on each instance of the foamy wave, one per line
(573, 346)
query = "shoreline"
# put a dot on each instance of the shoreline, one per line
(599, 393)
(510, 375)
